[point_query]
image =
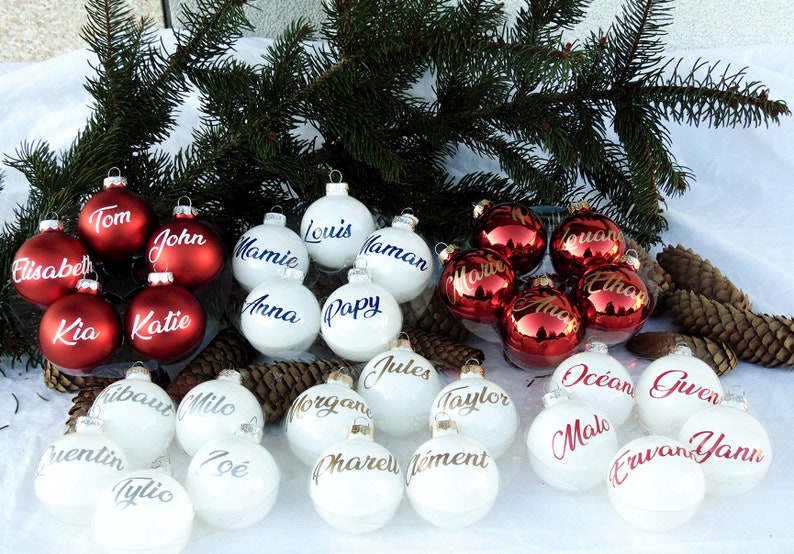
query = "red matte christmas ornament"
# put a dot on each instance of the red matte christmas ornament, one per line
(614, 300)
(585, 239)
(116, 223)
(164, 321)
(49, 265)
(80, 331)
(540, 327)
(475, 286)
(188, 248)
(513, 230)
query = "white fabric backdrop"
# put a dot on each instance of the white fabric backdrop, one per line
(737, 215)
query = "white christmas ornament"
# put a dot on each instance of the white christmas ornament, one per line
(335, 226)
(360, 318)
(74, 470)
(655, 484)
(672, 388)
(233, 482)
(731, 446)
(570, 443)
(265, 251)
(214, 410)
(322, 415)
(481, 409)
(137, 414)
(399, 385)
(596, 377)
(146, 510)
(356, 484)
(399, 259)
(451, 480)
(281, 317)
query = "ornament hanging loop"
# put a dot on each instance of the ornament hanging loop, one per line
(332, 174)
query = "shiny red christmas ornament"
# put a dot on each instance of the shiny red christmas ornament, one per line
(116, 223)
(80, 331)
(585, 239)
(187, 248)
(164, 321)
(541, 327)
(614, 300)
(512, 229)
(49, 266)
(476, 285)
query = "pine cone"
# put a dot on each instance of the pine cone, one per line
(277, 385)
(441, 350)
(82, 401)
(691, 272)
(660, 283)
(55, 379)
(655, 344)
(438, 320)
(756, 338)
(228, 349)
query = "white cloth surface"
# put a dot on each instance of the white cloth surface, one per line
(737, 214)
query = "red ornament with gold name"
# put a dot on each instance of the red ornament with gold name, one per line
(164, 321)
(614, 300)
(513, 230)
(585, 239)
(49, 266)
(476, 285)
(80, 331)
(187, 248)
(116, 223)
(540, 327)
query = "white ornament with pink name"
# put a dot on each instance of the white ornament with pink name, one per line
(214, 410)
(74, 470)
(596, 377)
(138, 414)
(673, 388)
(356, 484)
(265, 251)
(145, 510)
(233, 482)
(322, 415)
(334, 227)
(399, 385)
(360, 318)
(655, 484)
(570, 443)
(399, 259)
(731, 446)
(281, 317)
(481, 409)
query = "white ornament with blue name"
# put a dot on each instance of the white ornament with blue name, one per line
(335, 226)
(360, 319)
(265, 251)
(281, 317)
(214, 410)
(399, 259)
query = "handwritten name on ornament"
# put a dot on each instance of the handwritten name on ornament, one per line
(674, 381)
(610, 281)
(25, 269)
(260, 307)
(167, 239)
(104, 218)
(74, 332)
(204, 403)
(316, 235)
(336, 463)
(248, 249)
(465, 404)
(547, 306)
(145, 327)
(134, 489)
(373, 245)
(576, 435)
(219, 463)
(367, 307)
(424, 461)
(708, 443)
(103, 456)
(573, 240)
(324, 406)
(628, 461)
(117, 392)
(387, 366)
(466, 280)
(582, 373)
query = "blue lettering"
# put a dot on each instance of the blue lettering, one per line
(367, 307)
(373, 246)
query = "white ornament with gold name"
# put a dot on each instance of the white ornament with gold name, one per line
(322, 415)
(356, 485)
(482, 409)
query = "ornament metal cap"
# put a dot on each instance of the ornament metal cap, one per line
(293, 273)
(681, 349)
(446, 253)
(402, 342)
(50, 225)
(443, 425)
(542, 281)
(88, 424)
(275, 218)
(554, 396)
(184, 211)
(230, 375)
(359, 271)
(361, 430)
(405, 221)
(735, 398)
(582, 205)
(114, 181)
(336, 187)
(138, 371)
(249, 431)
(472, 370)
(340, 378)
(630, 260)
(596, 346)
(480, 208)
(161, 278)
(90, 286)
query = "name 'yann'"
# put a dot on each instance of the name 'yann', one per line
(373, 245)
